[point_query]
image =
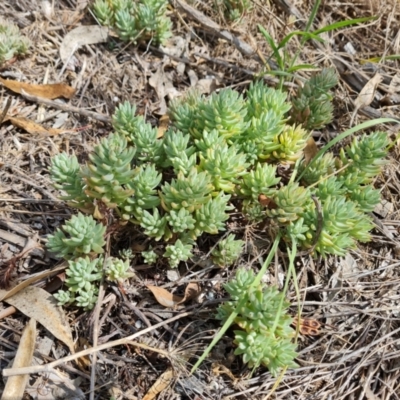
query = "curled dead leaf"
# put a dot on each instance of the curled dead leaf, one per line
(310, 151)
(164, 297)
(32, 127)
(267, 202)
(49, 91)
(367, 94)
(162, 126)
(160, 384)
(192, 290)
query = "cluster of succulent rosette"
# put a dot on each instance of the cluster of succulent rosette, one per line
(135, 21)
(11, 41)
(265, 336)
(221, 155)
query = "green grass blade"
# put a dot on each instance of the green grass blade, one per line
(343, 135)
(379, 59)
(312, 15)
(305, 35)
(273, 46)
(342, 24)
(301, 67)
(232, 317)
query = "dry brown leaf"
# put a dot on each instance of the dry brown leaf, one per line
(266, 201)
(50, 91)
(15, 386)
(160, 385)
(192, 290)
(394, 86)
(32, 127)
(38, 304)
(4, 294)
(162, 82)
(164, 297)
(367, 93)
(219, 369)
(85, 34)
(162, 126)
(310, 150)
(68, 17)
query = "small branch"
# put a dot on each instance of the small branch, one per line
(67, 108)
(50, 367)
(5, 111)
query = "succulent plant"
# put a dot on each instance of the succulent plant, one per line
(312, 106)
(220, 153)
(227, 251)
(109, 171)
(181, 221)
(177, 252)
(190, 192)
(262, 99)
(81, 271)
(80, 235)
(365, 156)
(225, 165)
(210, 217)
(87, 298)
(64, 297)
(134, 21)
(11, 41)
(145, 196)
(155, 225)
(65, 174)
(225, 112)
(150, 256)
(262, 180)
(320, 169)
(292, 142)
(291, 201)
(266, 336)
(116, 270)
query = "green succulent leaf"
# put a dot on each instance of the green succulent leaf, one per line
(80, 235)
(116, 269)
(227, 251)
(11, 41)
(65, 173)
(109, 171)
(266, 336)
(177, 252)
(83, 271)
(190, 192)
(150, 256)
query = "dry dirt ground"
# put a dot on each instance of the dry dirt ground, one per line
(355, 353)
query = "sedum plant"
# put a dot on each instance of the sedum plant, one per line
(84, 276)
(220, 162)
(81, 275)
(234, 9)
(81, 235)
(312, 106)
(222, 152)
(227, 251)
(150, 256)
(265, 335)
(12, 43)
(135, 20)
